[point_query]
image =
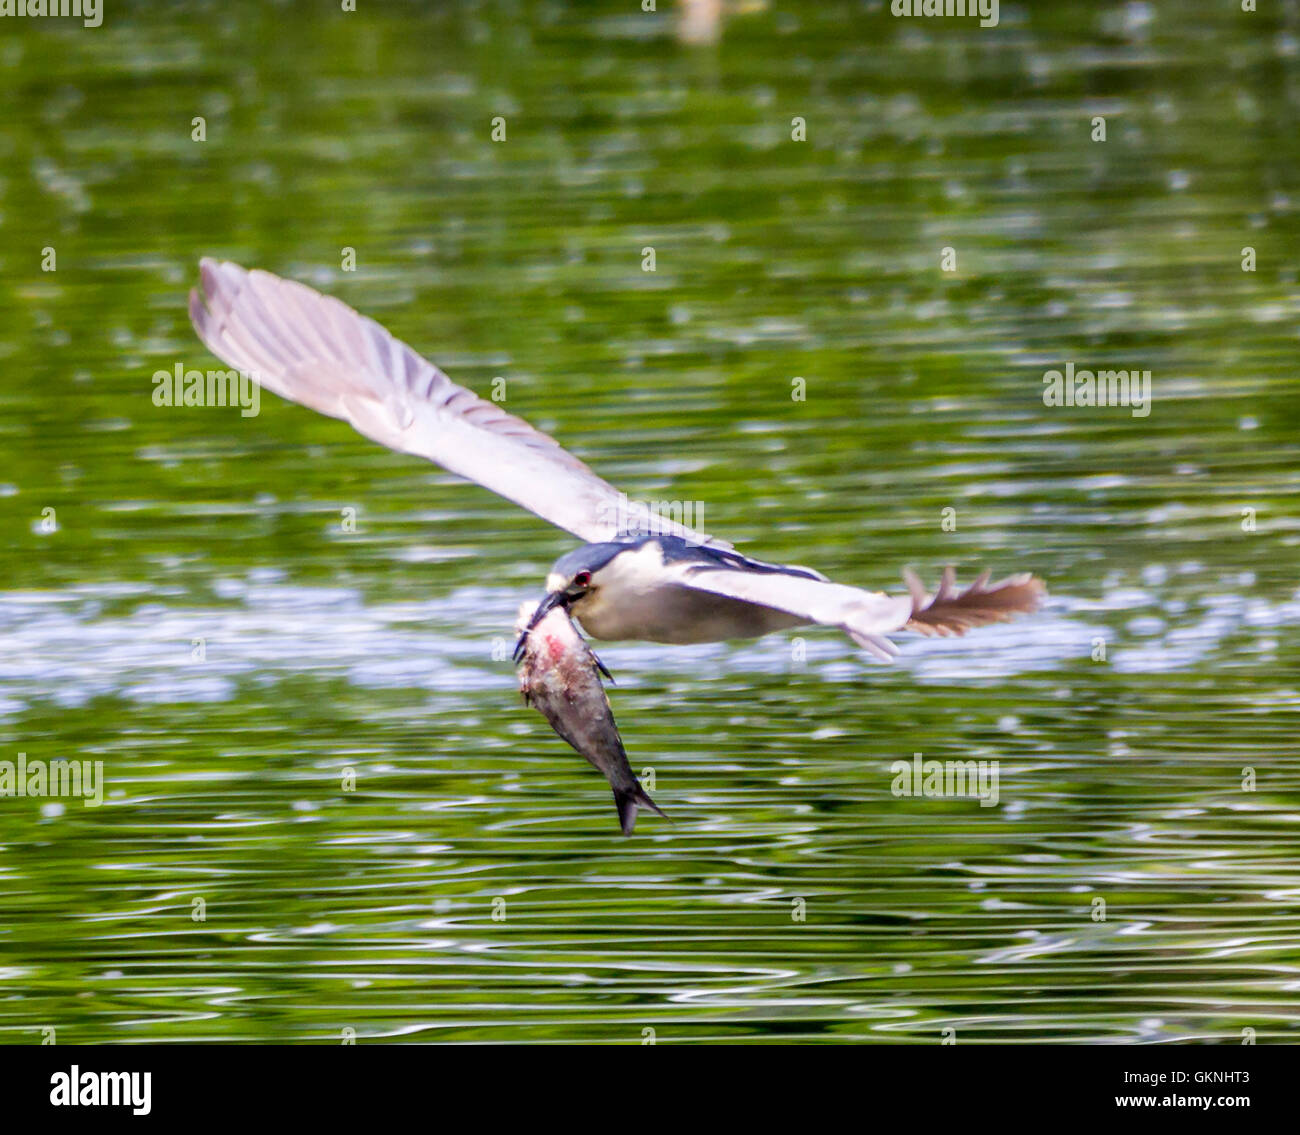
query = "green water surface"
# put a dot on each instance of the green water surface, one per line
(326, 808)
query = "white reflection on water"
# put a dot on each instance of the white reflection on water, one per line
(63, 647)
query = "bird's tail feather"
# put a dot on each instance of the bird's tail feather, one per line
(628, 800)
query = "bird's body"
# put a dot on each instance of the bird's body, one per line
(640, 592)
(638, 575)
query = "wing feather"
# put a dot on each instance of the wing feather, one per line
(867, 616)
(949, 612)
(317, 351)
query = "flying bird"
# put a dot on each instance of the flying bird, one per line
(638, 574)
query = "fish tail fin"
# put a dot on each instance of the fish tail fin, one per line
(628, 800)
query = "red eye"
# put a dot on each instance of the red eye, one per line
(582, 578)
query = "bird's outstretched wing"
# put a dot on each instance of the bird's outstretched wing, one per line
(867, 616)
(316, 350)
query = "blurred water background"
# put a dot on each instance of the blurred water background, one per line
(793, 897)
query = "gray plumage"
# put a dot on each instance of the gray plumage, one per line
(651, 578)
(316, 350)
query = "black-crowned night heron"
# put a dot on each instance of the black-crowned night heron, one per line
(639, 576)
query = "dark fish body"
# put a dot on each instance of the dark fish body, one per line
(559, 676)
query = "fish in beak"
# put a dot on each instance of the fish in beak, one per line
(560, 677)
(552, 600)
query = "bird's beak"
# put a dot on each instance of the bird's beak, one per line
(545, 607)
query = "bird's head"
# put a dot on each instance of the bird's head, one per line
(572, 581)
